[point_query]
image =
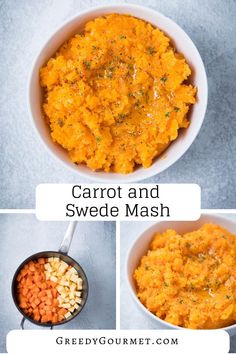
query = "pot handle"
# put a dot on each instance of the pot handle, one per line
(22, 324)
(65, 245)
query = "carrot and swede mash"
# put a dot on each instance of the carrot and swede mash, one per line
(115, 96)
(189, 280)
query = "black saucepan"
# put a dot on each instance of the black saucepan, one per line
(62, 254)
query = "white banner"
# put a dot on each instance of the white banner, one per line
(118, 202)
(107, 341)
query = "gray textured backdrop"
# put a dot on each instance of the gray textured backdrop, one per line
(211, 160)
(131, 316)
(93, 246)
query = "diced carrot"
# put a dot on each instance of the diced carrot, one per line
(44, 319)
(37, 302)
(41, 261)
(54, 293)
(37, 296)
(49, 314)
(37, 278)
(36, 290)
(44, 286)
(19, 276)
(41, 305)
(62, 312)
(24, 291)
(23, 273)
(42, 312)
(49, 294)
(37, 317)
(36, 311)
(42, 294)
(55, 318)
(23, 305)
(28, 295)
(52, 283)
(55, 302)
(48, 302)
(32, 268)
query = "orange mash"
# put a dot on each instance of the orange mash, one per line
(189, 280)
(115, 96)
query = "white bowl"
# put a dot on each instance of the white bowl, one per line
(140, 248)
(183, 44)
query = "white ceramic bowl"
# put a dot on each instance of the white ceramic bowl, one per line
(183, 44)
(141, 245)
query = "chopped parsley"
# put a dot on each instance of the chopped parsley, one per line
(109, 72)
(60, 122)
(163, 79)
(87, 64)
(176, 109)
(141, 92)
(121, 117)
(151, 50)
(130, 66)
(202, 257)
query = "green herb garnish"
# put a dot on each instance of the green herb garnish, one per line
(163, 79)
(151, 50)
(121, 117)
(130, 66)
(202, 257)
(109, 72)
(87, 64)
(60, 122)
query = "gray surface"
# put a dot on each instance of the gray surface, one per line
(211, 160)
(93, 247)
(131, 316)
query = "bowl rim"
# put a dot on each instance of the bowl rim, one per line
(37, 256)
(101, 176)
(150, 229)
